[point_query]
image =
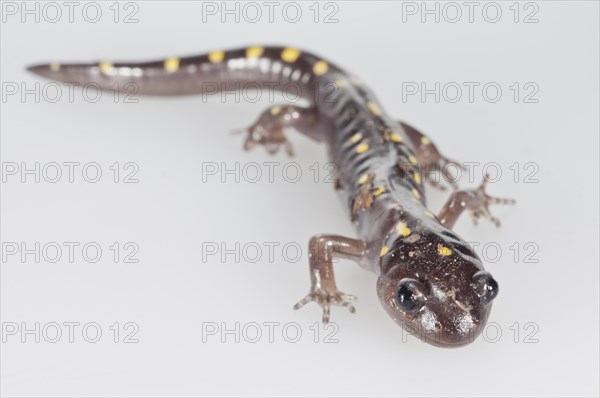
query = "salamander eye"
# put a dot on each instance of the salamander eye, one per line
(485, 286)
(410, 294)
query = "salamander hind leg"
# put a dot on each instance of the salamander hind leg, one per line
(268, 130)
(323, 290)
(431, 159)
(475, 200)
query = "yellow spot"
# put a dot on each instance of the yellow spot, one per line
(412, 160)
(171, 64)
(216, 56)
(362, 148)
(396, 137)
(416, 193)
(254, 52)
(384, 251)
(429, 214)
(106, 67)
(340, 83)
(425, 140)
(374, 108)
(290, 54)
(275, 110)
(320, 68)
(417, 178)
(54, 66)
(402, 229)
(444, 251)
(363, 178)
(356, 137)
(379, 191)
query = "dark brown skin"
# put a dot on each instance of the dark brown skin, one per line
(430, 282)
(451, 307)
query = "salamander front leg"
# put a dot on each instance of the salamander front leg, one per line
(475, 200)
(268, 130)
(431, 159)
(323, 290)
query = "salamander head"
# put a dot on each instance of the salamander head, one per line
(437, 291)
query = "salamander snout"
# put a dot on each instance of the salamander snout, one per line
(448, 312)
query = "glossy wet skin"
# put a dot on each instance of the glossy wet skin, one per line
(443, 300)
(429, 283)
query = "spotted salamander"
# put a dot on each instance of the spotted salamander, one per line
(429, 280)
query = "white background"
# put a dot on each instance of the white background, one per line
(171, 292)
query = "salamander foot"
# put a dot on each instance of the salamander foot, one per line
(477, 201)
(327, 298)
(484, 200)
(268, 130)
